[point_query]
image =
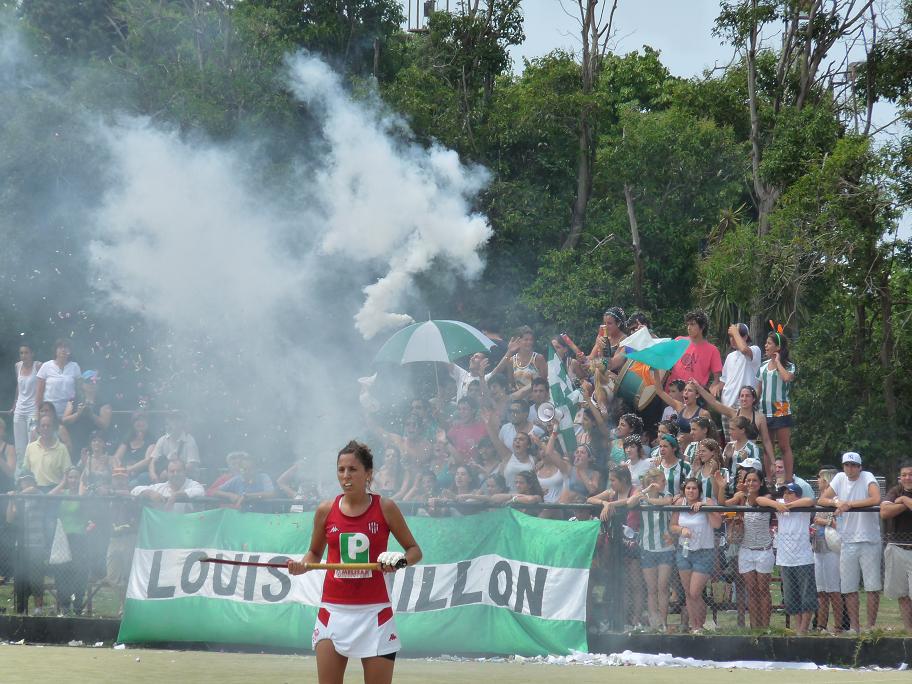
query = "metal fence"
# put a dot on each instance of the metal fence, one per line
(746, 569)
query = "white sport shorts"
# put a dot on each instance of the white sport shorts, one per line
(826, 572)
(897, 571)
(358, 631)
(756, 560)
(860, 561)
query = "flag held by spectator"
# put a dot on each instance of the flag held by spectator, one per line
(663, 355)
(564, 398)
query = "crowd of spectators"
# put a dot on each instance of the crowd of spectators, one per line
(716, 432)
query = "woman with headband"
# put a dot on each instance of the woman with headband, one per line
(776, 377)
(611, 332)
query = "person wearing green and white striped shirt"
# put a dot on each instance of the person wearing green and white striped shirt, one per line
(708, 470)
(656, 547)
(674, 469)
(775, 378)
(741, 447)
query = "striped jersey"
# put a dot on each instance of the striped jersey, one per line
(674, 476)
(708, 486)
(749, 450)
(690, 453)
(774, 393)
(653, 528)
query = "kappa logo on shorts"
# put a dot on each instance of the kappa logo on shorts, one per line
(392, 637)
(373, 527)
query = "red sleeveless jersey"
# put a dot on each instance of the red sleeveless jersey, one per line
(358, 539)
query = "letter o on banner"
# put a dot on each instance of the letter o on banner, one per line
(189, 586)
(501, 597)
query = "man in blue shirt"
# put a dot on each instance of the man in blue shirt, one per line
(248, 485)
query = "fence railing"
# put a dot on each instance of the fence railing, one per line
(734, 568)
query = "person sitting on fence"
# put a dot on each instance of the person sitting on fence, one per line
(175, 493)
(696, 554)
(826, 563)
(794, 554)
(29, 519)
(755, 556)
(860, 556)
(896, 508)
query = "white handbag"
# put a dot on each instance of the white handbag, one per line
(60, 547)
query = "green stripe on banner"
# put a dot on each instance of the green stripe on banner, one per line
(495, 582)
(467, 629)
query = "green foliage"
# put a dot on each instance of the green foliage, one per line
(341, 31)
(75, 28)
(797, 141)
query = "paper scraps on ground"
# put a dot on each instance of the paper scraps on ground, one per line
(632, 659)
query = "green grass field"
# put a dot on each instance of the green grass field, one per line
(53, 663)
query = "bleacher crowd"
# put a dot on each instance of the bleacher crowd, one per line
(709, 431)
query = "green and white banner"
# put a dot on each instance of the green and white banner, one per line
(496, 582)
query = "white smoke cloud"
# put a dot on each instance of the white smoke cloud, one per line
(188, 237)
(386, 200)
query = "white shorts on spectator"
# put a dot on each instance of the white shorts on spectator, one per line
(897, 571)
(860, 561)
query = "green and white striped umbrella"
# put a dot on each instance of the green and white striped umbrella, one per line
(443, 341)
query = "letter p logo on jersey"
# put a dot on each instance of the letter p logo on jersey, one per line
(354, 547)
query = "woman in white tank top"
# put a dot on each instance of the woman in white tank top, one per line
(696, 555)
(26, 408)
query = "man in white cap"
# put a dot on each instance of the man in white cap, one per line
(860, 534)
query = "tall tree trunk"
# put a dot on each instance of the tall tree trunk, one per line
(637, 252)
(887, 347)
(583, 184)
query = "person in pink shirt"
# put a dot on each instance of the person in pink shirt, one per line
(702, 361)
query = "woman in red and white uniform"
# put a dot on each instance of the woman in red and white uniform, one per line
(355, 619)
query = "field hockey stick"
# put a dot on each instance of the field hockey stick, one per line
(307, 566)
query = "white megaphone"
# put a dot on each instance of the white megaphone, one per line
(547, 412)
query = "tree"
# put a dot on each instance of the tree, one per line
(346, 33)
(595, 32)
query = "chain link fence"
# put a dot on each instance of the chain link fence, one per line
(735, 568)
